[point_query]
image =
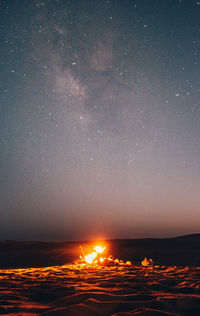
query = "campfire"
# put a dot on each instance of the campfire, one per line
(100, 257)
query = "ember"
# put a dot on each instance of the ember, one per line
(98, 257)
(147, 262)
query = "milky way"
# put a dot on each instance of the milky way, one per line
(100, 132)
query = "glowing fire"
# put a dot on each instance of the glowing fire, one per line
(97, 258)
(99, 249)
(93, 257)
(90, 258)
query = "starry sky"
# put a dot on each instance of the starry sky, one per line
(99, 119)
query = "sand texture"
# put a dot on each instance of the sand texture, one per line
(74, 289)
(42, 279)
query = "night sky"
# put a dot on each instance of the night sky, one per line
(99, 119)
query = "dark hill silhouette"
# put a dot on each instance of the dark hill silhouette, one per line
(182, 251)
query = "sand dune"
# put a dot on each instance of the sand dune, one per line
(43, 285)
(74, 289)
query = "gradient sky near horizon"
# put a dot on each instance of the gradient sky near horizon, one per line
(99, 119)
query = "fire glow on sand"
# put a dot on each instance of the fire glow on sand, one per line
(96, 283)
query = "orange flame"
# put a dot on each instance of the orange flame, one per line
(94, 256)
(99, 249)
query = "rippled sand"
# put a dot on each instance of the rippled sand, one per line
(74, 289)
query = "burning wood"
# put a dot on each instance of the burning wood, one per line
(147, 262)
(98, 257)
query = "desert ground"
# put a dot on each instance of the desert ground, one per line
(48, 279)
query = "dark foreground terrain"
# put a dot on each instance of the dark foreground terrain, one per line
(42, 278)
